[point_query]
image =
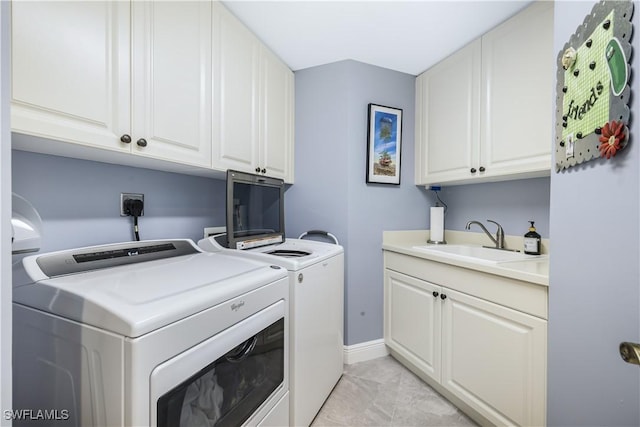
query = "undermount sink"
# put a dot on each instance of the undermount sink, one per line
(478, 253)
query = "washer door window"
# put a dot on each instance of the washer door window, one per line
(228, 390)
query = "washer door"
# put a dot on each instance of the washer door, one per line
(226, 379)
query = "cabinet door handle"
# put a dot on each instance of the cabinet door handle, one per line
(125, 138)
(443, 296)
(141, 142)
(482, 169)
(473, 170)
(264, 170)
(258, 170)
(435, 294)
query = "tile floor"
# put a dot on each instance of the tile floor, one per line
(381, 392)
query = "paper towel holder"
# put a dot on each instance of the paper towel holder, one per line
(436, 228)
(437, 242)
(440, 228)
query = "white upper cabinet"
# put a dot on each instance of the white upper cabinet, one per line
(517, 86)
(235, 111)
(73, 80)
(253, 103)
(182, 85)
(482, 114)
(277, 119)
(171, 102)
(71, 71)
(448, 117)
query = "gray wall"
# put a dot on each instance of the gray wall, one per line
(330, 190)
(594, 295)
(331, 117)
(79, 201)
(510, 203)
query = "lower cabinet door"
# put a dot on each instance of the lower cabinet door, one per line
(494, 359)
(412, 321)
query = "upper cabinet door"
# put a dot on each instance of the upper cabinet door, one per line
(447, 104)
(171, 72)
(70, 71)
(276, 148)
(235, 115)
(517, 88)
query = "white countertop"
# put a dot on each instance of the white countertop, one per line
(533, 271)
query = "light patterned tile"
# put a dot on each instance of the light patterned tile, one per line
(384, 370)
(382, 392)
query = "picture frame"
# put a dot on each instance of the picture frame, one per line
(384, 145)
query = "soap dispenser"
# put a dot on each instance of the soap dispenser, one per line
(532, 241)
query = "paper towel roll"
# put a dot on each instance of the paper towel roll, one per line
(437, 224)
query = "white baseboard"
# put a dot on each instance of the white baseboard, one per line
(364, 351)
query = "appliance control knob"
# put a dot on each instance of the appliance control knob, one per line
(142, 142)
(125, 138)
(258, 170)
(300, 278)
(264, 170)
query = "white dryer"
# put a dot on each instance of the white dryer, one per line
(155, 333)
(316, 275)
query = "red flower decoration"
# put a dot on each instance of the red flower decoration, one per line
(611, 138)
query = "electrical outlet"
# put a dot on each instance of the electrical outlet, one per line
(130, 196)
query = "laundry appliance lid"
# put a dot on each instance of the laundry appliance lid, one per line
(134, 299)
(310, 251)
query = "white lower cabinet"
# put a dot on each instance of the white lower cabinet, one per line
(494, 359)
(488, 358)
(410, 302)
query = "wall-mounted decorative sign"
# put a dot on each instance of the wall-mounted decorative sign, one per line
(384, 144)
(593, 91)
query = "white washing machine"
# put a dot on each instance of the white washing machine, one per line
(316, 275)
(154, 333)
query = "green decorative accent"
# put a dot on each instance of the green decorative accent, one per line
(593, 83)
(586, 102)
(617, 63)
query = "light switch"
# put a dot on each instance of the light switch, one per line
(569, 147)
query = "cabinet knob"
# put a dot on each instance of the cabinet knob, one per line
(263, 170)
(125, 138)
(473, 170)
(141, 142)
(482, 169)
(443, 296)
(258, 170)
(435, 294)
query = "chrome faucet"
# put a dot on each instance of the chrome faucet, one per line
(498, 241)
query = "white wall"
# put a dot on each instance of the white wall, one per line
(594, 289)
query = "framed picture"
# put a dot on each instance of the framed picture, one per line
(384, 139)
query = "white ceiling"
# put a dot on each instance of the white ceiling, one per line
(402, 35)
